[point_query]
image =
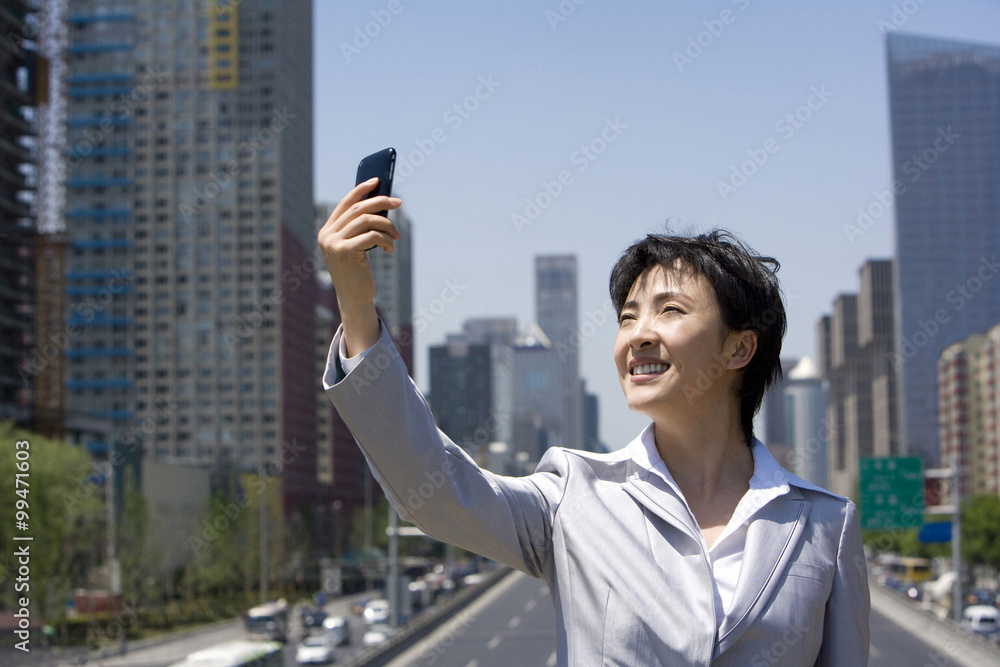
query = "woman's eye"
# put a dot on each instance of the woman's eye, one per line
(623, 317)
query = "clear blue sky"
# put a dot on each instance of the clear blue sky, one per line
(681, 92)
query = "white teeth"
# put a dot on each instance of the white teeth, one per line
(649, 368)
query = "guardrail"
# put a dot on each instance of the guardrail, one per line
(955, 645)
(423, 625)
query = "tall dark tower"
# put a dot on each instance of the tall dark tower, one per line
(944, 99)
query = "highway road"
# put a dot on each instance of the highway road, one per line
(514, 624)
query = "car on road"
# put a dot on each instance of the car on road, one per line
(981, 619)
(376, 611)
(236, 653)
(268, 621)
(312, 617)
(316, 650)
(377, 634)
(981, 596)
(338, 628)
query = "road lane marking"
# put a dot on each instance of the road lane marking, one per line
(493, 642)
(472, 663)
(551, 662)
(445, 635)
(514, 622)
(530, 604)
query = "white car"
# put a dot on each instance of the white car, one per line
(377, 634)
(376, 611)
(981, 619)
(338, 628)
(316, 650)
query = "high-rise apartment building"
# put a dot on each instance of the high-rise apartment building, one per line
(960, 411)
(855, 360)
(876, 329)
(968, 405)
(842, 369)
(944, 100)
(557, 313)
(990, 383)
(17, 228)
(189, 212)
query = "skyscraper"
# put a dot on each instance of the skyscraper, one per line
(538, 376)
(557, 313)
(773, 420)
(875, 345)
(189, 214)
(805, 411)
(944, 100)
(16, 225)
(855, 344)
(472, 384)
(393, 275)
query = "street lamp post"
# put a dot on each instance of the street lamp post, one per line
(953, 473)
(956, 538)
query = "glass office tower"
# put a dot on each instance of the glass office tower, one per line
(944, 99)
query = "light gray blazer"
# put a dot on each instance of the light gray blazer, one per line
(621, 554)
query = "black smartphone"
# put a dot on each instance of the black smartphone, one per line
(383, 165)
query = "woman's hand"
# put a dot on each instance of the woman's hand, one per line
(353, 228)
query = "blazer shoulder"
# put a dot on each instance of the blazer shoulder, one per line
(607, 466)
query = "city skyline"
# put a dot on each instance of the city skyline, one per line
(590, 133)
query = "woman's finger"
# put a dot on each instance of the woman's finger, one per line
(366, 222)
(356, 194)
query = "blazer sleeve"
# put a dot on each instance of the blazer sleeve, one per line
(846, 631)
(431, 481)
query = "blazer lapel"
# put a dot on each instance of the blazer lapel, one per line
(652, 492)
(771, 537)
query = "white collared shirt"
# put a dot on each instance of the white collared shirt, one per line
(726, 554)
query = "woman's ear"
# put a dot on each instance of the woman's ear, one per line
(740, 348)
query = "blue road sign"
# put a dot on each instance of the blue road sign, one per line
(939, 531)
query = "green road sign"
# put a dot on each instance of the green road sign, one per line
(892, 492)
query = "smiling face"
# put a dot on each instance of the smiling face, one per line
(672, 350)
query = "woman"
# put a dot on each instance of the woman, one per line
(689, 546)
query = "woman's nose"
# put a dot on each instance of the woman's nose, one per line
(642, 334)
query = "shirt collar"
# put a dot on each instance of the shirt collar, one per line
(769, 479)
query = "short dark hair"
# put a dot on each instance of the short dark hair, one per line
(745, 285)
